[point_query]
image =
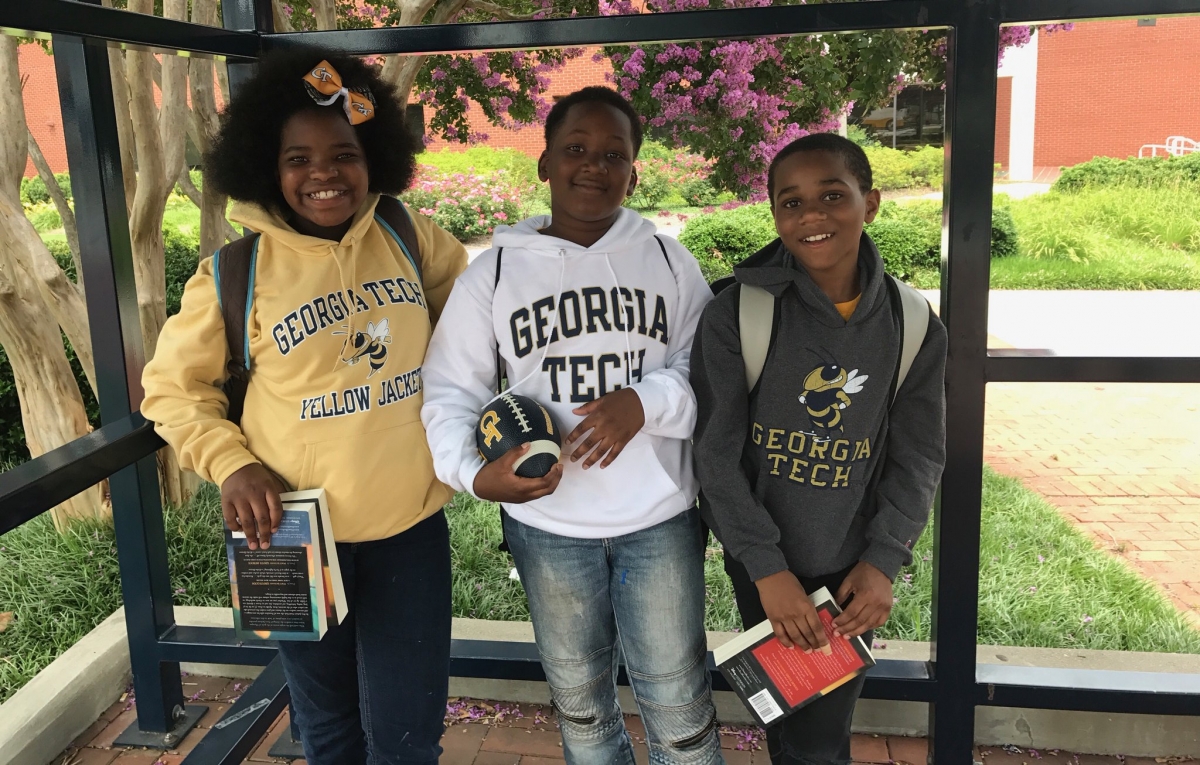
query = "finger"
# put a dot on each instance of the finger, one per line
(613, 454)
(858, 625)
(850, 615)
(229, 513)
(262, 519)
(816, 630)
(245, 515)
(781, 633)
(602, 449)
(582, 450)
(510, 457)
(587, 408)
(844, 592)
(796, 634)
(581, 430)
(275, 508)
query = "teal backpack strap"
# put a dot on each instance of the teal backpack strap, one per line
(233, 271)
(756, 317)
(392, 215)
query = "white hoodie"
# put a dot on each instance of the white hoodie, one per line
(564, 353)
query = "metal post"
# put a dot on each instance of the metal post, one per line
(970, 136)
(245, 15)
(90, 127)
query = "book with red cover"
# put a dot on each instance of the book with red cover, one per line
(773, 681)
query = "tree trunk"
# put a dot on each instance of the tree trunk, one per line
(214, 228)
(159, 141)
(60, 203)
(51, 406)
(325, 12)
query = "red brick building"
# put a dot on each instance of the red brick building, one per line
(1105, 88)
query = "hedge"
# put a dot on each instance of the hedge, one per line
(1152, 172)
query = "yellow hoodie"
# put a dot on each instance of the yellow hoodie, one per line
(338, 332)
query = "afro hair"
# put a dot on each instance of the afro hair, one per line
(594, 94)
(243, 160)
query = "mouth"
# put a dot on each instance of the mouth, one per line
(816, 239)
(591, 188)
(326, 195)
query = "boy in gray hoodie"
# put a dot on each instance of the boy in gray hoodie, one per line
(823, 474)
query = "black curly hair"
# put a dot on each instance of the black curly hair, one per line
(243, 160)
(850, 152)
(594, 94)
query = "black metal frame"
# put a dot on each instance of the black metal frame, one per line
(952, 682)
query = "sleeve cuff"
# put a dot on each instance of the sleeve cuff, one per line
(229, 463)
(467, 475)
(762, 561)
(653, 404)
(887, 559)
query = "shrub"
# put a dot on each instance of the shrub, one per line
(653, 186)
(908, 237)
(899, 169)
(33, 190)
(468, 206)
(44, 217)
(482, 160)
(1004, 233)
(722, 239)
(1153, 172)
(859, 135)
(182, 255)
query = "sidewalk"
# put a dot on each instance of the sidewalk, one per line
(500, 733)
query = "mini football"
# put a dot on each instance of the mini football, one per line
(512, 420)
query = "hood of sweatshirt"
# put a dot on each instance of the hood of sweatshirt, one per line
(774, 268)
(629, 231)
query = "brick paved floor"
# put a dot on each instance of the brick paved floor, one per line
(1122, 461)
(499, 733)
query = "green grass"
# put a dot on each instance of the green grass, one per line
(61, 586)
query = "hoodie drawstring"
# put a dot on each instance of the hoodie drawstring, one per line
(562, 270)
(351, 307)
(617, 310)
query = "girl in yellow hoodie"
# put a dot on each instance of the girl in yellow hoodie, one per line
(337, 328)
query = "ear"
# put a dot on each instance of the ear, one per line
(873, 199)
(543, 175)
(633, 181)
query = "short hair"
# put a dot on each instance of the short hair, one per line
(850, 152)
(595, 94)
(243, 160)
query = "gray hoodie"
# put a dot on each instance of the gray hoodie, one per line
(811, 471)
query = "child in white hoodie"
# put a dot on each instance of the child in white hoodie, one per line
(592, 315)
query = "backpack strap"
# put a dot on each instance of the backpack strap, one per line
(233, 271)
(756, 316)
(913, 310)
(392, 215)
(499, 361)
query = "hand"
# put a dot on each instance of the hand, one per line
(499, 482)
(250, 503)
(614, 419)
(792, 614)
(872, 603)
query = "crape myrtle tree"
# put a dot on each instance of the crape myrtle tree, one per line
(737, 102)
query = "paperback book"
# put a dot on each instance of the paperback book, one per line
(773, 681)
(293, 589)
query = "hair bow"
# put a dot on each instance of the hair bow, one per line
(325, 86)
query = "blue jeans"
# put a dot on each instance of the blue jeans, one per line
(373, 690)
(644, 594)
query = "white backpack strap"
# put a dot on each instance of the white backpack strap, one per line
(915, 310)
(756, 315)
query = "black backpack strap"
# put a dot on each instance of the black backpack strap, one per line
(390, 212)
(499, 361)
(894, 303)
(233, 271)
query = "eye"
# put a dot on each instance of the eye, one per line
(833, 196)
(616, 155)
(792, 203)
(296, 160)
(574, 148)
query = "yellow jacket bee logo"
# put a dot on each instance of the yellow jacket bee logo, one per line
(827, 391)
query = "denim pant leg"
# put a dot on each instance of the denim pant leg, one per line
(322, 678)
(657, 590)
(403, 634)
(818, 734)
(373, 690)
(567, 581)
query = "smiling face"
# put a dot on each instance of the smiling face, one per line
(820, 210)
(589, 165)
(322, 170)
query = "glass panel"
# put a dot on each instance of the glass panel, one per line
(1094, 248)
(1091, 537)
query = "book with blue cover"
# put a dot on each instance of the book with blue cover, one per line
(287, 591)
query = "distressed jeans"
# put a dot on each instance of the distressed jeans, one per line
(641, 595)
(373, 690)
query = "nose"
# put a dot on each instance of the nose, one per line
(596, 162)
(322, 171)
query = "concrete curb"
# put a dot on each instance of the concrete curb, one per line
(45, 716)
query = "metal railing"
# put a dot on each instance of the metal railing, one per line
(952, 682)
